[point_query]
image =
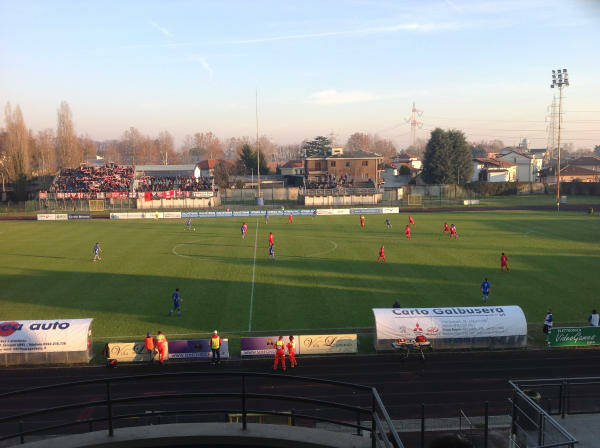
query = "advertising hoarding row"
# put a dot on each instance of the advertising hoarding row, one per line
(305, 344)
(176, 349)
(457, 327)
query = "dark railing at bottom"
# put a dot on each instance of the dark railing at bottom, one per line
(383, 433)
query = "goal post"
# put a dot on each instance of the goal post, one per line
(415, 199)
(96, 205)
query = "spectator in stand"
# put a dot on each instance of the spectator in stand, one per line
(93, 179)
(166, 183)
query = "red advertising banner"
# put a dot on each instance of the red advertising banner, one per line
(148, 196)
(60, 195)
(43, 195)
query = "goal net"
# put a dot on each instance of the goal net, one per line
(415, 199)
(96, 205)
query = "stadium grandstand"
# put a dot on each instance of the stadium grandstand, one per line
(92, 179)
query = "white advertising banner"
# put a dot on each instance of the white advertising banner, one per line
(333, 211)
(30, 336)
(388, 210)
(46, 217)
(62, 217)
(172, 215)
(152, 215)
(321, 344)
(452, 327)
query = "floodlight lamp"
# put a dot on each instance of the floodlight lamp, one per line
(567, 83)
(553, 71)
(552, 85)
(564, 70)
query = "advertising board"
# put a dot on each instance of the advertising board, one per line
(172, 215)
(195, 349)
(241, 213)
(62, 217)
(389, 210)
(464, 327)
(365, 211)
(223, 214)
(570, 336)
(129, 352)
(264, 346)
(333, 211)
(321, 344)
(46, 217)
(80, 216)
(30, 336)
(257, 212)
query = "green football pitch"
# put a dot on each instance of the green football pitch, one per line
(325, 274)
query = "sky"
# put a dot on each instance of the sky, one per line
(319, 67)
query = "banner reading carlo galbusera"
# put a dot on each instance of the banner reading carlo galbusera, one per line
(568, 336)
(61, 335)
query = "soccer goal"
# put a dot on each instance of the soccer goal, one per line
(415, 199)
(96, 205)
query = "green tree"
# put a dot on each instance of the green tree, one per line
(478, 150)
(320, 146)
(462, 159)
(248, 159)
(447, 158)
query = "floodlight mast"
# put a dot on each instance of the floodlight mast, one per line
(560, 79)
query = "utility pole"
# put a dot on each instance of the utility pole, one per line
(560, 79)
(551, 128)
(257, 149)
(414, 123)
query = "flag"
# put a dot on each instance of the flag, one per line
(148, 196)
(99, 158)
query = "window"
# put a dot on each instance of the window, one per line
(365, 163)
(332, 163)
(347, 163)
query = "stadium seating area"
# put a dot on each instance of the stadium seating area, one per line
(90, 179)
(331, 183)
(182, 183)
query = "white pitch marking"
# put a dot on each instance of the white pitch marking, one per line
(253, 271)
(326, 251)
(180, 255)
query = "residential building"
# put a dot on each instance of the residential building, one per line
(528, 166)
(207, 166)
(569, 173)
(292, 168)
(354, 167)
(487, 169)
(407, 159)
(591, 163)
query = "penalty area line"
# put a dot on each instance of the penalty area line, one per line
(253, 272)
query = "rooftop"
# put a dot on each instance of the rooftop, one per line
(499, 163)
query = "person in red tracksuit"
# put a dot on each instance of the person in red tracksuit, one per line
(290, 218)
(279, 353)
(291, 346)
(161, 346)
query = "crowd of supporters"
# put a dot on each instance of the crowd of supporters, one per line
(166, 183)
(91, 179)
(331, 182)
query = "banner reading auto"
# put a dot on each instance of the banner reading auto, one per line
(456, 327)
(59, 335)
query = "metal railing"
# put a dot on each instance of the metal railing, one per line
(382, 431)
(531, 425)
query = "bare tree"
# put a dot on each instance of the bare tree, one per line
(360, 141)
(88, 147)
(67, 148)
(43, 157)
(166, 148)
(16, 143)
